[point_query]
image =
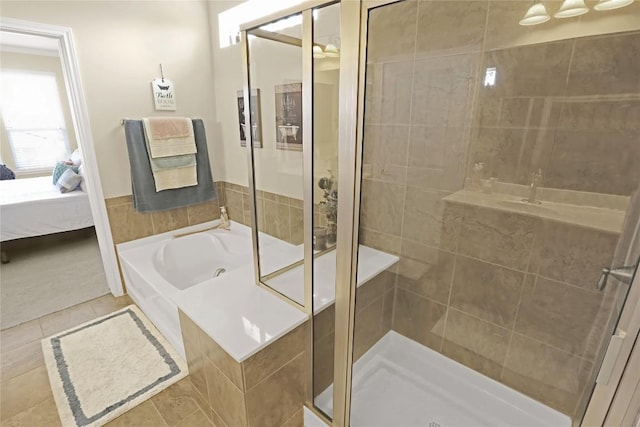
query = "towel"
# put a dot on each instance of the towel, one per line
(145, 197)
(167, 136)
(173, 171)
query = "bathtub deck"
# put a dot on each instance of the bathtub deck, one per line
(400, 382)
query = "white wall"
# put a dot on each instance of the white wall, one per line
(120, 46)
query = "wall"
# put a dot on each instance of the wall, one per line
(508, 295)
(34, 62)
(120, 46)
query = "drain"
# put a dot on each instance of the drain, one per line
(434, 424)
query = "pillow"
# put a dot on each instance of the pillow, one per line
(68, 181)
(75, 158)
(60, 168)
(83, 183)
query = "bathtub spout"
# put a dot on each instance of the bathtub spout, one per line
(219, 272)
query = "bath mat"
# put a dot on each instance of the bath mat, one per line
(102, 368)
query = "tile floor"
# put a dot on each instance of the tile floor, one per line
(25, 395)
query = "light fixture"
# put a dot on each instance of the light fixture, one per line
(317, 52)
(612, 4)
(537, 14)
(331, 51)
(571, 8)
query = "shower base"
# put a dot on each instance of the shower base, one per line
(399, 382)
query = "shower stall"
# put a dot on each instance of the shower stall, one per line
(459, 192)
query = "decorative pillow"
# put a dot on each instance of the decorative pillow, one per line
(60, 168)
(83, 183)
(75, 158)
(68, 181)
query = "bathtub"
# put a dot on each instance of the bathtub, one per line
(160, 272)
(209, 275)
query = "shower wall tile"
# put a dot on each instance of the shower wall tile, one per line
(443, 90)
(486, 291)
(605, 65)
(392, 31)
(427, 220)
(445, 28)
(571, 254)
(382, 205)
(499, 149)
(557, 314)
(385, 153)
(374, 289)
(323, 363)
(498, 237)
(597, 161)
(475, 343)
(425, 271)
(533, 70)
(384, 242)
(549, 375)
(367, 327)
(419, 319)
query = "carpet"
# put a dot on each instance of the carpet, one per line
(103, 368)
(48, 274)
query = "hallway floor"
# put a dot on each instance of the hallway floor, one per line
(25, 395)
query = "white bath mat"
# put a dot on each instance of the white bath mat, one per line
(103, 368)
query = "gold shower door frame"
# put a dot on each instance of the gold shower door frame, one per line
(354, 14)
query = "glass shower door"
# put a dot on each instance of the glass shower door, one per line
(500, 175)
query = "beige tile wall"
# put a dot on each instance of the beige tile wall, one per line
(508, 295)
(127, 224)
(374, 305)
(267, 389)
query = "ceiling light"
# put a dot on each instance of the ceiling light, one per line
(612, 4)
(331, 51)
(571, 8)
(537, 14)
(317, 52)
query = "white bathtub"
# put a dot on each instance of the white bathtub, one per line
(164, 272)
(157, 268)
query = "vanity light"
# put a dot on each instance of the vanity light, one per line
(537, 14)
(612, 4)
(571, 8)
(331, 51)
(317, 52)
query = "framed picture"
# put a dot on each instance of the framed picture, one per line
(289, 116)
(256, 127)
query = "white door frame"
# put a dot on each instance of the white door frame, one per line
(80, 118)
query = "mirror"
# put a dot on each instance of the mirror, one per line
(275, 81)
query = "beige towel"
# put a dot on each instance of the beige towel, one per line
(166, 179)
(167, 136)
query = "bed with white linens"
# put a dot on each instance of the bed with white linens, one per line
(34, 207)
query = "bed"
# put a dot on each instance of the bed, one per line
(35, 207)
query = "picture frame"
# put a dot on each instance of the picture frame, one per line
(256, 118)
(288, 103)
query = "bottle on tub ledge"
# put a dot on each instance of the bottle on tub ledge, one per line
(224, 218)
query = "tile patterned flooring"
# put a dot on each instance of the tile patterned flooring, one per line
(25, 395)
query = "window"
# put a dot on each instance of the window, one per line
(33, 118)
